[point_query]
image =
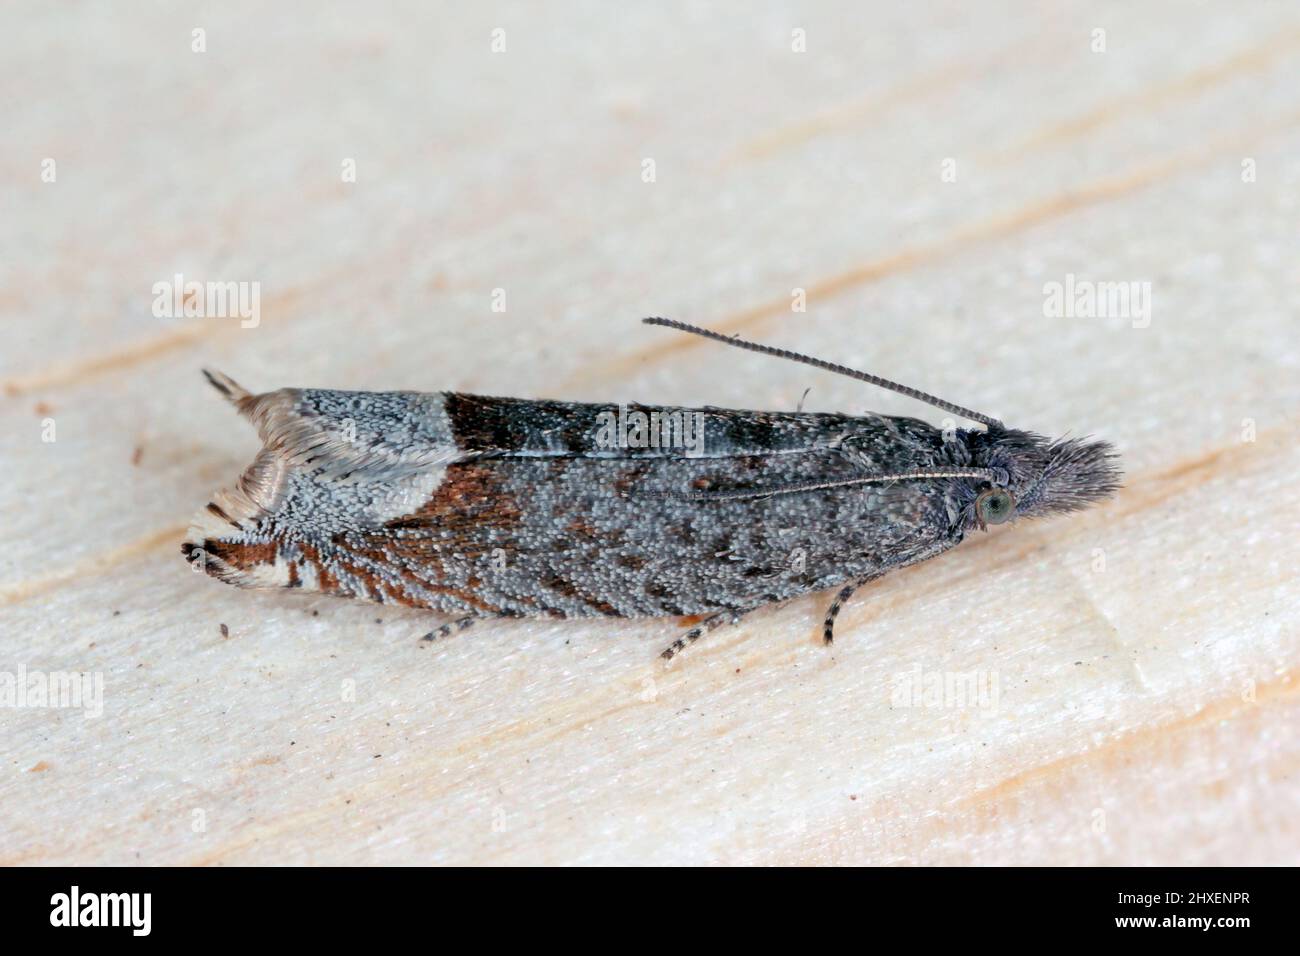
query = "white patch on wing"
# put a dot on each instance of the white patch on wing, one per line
(271, 575)
(404, 496)
(307, 575)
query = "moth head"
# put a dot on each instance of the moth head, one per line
(1037, 476)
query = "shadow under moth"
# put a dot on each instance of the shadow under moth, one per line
(506, 507)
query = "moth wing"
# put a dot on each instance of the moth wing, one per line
(400, 461)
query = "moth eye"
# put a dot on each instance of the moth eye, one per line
(995, 505)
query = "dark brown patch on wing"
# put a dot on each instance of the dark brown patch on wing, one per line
(242, 555)
(471, 498)
(511, 425)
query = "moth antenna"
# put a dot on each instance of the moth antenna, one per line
(227, 386)
(829, 367)
(920, 475)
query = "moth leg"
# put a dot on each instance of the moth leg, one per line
(699, 630)
(452, 627)
(462, 623)
(832, 612)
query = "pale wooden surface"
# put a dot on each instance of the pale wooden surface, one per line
(1147, 712)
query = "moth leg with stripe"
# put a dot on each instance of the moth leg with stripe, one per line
(502, 507)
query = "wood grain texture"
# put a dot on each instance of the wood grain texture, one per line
(1139, 660)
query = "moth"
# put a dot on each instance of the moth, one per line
(505, 507)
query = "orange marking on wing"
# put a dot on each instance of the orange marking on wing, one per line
(470, 497)
(241, 555)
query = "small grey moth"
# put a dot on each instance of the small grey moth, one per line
(506, 507)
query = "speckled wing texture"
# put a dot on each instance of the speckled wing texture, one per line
(499, 506)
